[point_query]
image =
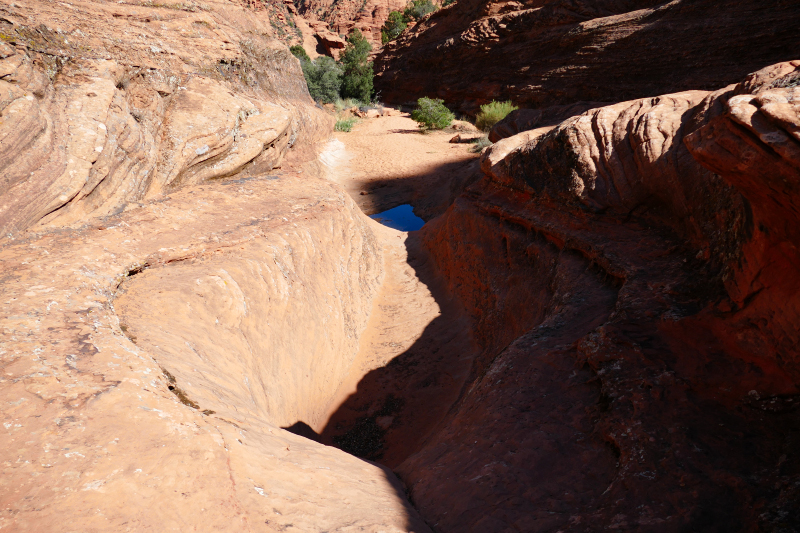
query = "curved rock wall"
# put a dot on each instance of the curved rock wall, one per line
(541, 53)
(270, 334)
(142, 372)
(106, 105)
(632, 277)
(242, 299)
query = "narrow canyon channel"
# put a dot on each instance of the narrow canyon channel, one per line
(283, 359)
(219, 314)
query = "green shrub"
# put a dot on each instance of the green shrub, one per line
(492, 113)
(418, 9)
(340, 104)
(324, 78)
(299, 52)
(431, 114)
(358, 74)
(393, 27)
(345, 124)
(447, 2)
(480, 144)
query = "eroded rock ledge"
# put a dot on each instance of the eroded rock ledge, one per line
(631, 274)
(105, 105)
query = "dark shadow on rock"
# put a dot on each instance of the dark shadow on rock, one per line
(430, 193)
(397, 406)
(304, 430)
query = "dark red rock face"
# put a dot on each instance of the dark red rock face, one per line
(632, 276)
(539, 53)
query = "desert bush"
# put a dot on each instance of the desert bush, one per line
(358, 75)
(492, 113)
(299, 52)
(481, 143)
(340, 104)
(324, 78)
(418, 9)
(393, 27)
(345, 124)
(431, 114)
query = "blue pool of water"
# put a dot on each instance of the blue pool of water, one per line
(401, 218)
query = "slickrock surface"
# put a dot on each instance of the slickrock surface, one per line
(107, 104)
(540, 53)
(105, 432)
(632, 280)
(138, 144)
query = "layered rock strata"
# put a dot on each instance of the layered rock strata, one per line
(540, 53)
(342, 16)
(631, 276)
(106, 105)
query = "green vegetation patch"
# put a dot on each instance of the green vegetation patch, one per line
(492, 113)
(345, 124)
(393, 27)
(417, 9)
(432, 114)
(358, 74)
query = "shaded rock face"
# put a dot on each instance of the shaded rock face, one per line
(541, 53)
(91, 126)
(631, 274)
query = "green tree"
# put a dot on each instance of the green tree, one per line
(358, 73)
(323, 77)
(431, 114)
(418, 9)
(299, 52)
(393, 27)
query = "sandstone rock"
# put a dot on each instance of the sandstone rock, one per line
(557, 52)
(368, 113)
(118, 124)
(107, 133)
(331, 43)
(185, 433)
(464, 138)
(345, 15)
(631, 274)
(462, 125)
(527, 119)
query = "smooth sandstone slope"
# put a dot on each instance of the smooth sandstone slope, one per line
(540, 53)
(103, 431)
(140, 142)
(632, 280)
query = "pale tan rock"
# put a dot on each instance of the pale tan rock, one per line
(112, 425)
(174, 103)
(236, 309)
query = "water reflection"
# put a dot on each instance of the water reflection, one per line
(400, 218)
